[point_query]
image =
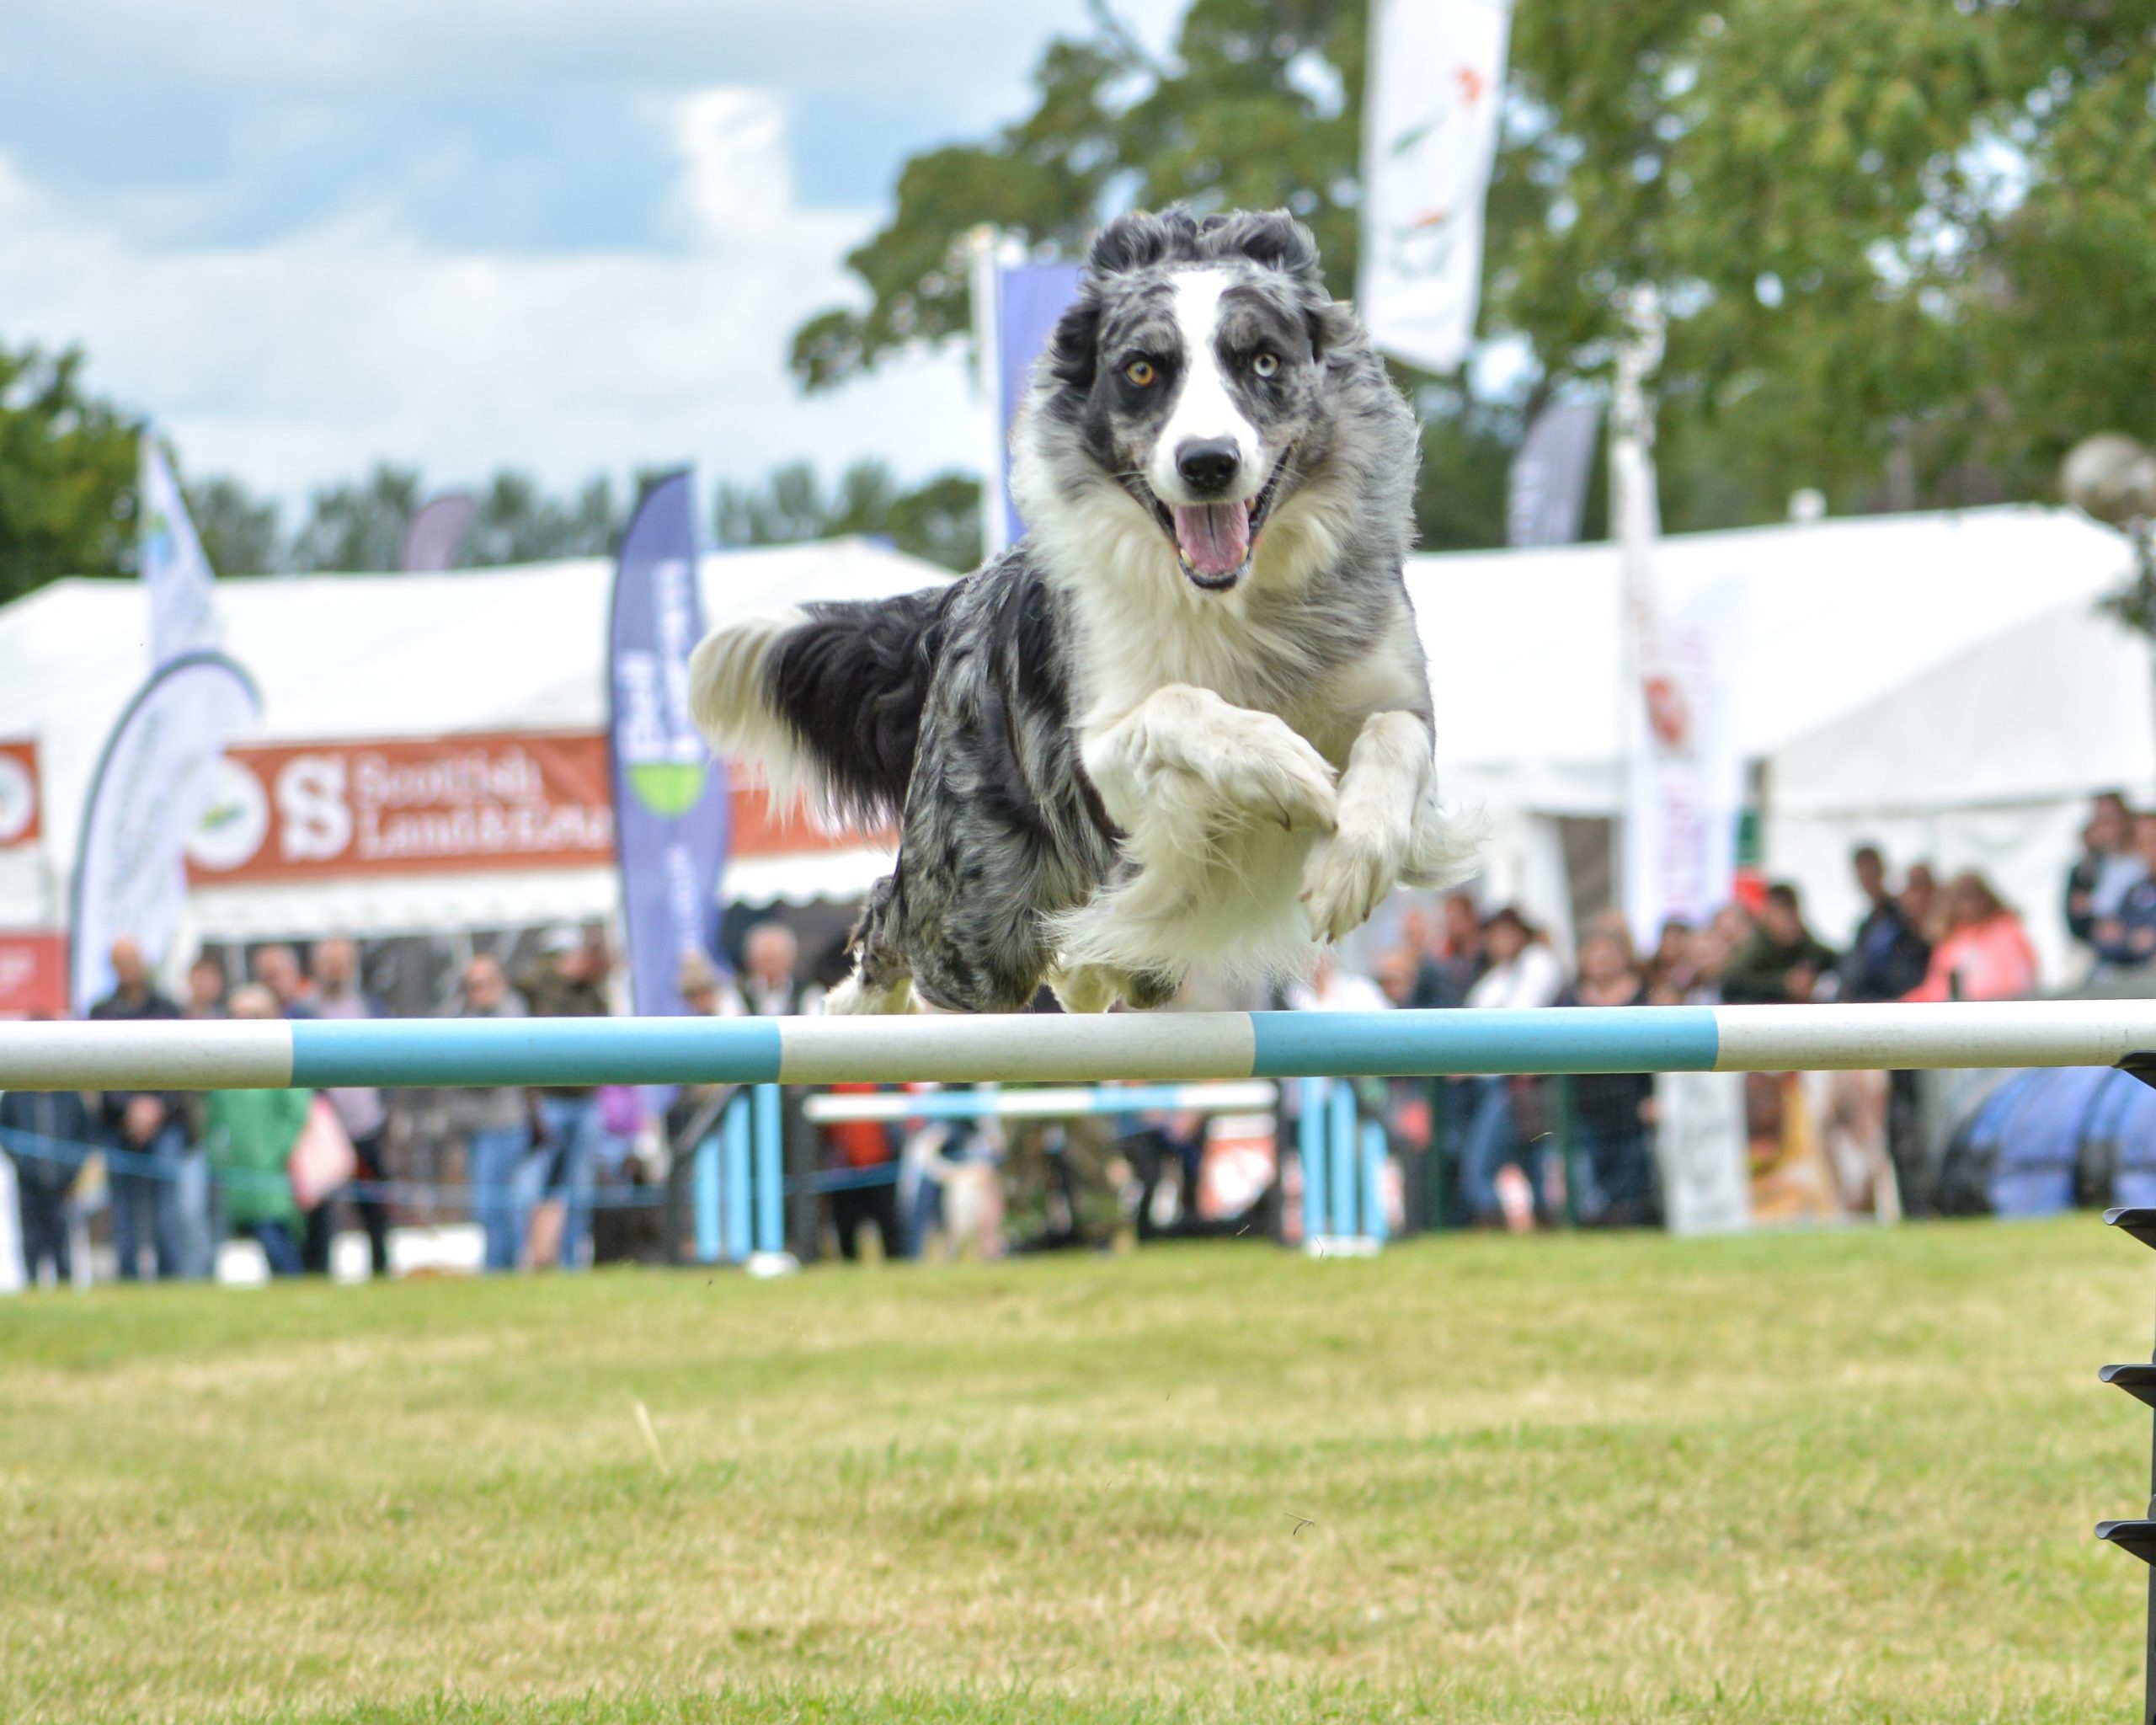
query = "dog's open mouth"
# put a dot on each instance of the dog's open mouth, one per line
(1214, 541)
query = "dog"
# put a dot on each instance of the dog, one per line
(1186, 720)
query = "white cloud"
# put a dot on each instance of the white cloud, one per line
(309, 355)
(735, 179)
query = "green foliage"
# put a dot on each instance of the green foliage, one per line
(517, 522)
(359, 526)
(1252, 114)
(239, 531)
(939, 521)
(67, 463)
(1909, 252)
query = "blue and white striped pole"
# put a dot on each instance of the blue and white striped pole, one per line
(1168, 1047)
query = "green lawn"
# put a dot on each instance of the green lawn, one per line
(1834, 1476)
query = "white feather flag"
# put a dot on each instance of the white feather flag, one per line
(1429, 136)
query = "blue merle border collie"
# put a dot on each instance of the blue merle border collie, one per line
(1186, 720)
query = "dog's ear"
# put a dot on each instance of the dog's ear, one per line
(1137, 238)
(1333, 323)
(1270, 237)
(1072, 346)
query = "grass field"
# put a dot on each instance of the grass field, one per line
(1845, 1477)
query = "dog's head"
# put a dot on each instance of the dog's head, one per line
(1194, 386)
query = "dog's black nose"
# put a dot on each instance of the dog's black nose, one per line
(1208, 466)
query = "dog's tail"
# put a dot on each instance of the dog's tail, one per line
(827, 698)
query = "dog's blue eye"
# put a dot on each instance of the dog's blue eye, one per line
(1264, 364)
(1139, 372)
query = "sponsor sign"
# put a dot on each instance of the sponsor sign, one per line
(315, 811)
(670, 802)
(20, 802)
(1700, 1142)
(33, 973)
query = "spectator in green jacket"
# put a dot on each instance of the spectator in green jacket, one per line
(1782, 962)
(252, 1133)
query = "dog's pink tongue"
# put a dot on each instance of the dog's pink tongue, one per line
(1215, 536)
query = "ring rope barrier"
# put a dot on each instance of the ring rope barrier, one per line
(1021, 1048)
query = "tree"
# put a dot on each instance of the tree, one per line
(1907, 252)
(356, 527)
(239, 531)
(517, 522)
(940, 520)
(67, 472)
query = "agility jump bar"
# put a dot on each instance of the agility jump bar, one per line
(1028, 1048)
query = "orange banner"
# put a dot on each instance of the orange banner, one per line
(316, 811)
(20, 798)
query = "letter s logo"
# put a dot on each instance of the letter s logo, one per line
(317, 821)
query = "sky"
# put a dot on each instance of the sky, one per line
(471, 234)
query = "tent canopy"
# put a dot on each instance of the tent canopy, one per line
(1524, 646)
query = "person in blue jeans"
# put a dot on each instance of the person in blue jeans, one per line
(568, 982)
(49, 1134)
(1613, 1156)
(143, 1128)
(497, 1149)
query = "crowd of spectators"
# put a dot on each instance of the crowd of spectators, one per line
(2111, 891)
(1502, 1142)
(182, 1173)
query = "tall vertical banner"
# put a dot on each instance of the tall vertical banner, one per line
(182, 590)
(1015, 308)
(671, 799)
(1684, 776)
(1430, 107)
(158, 775)
(1685, 787)
(1546, 494)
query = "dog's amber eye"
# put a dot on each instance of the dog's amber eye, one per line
(1139, 372)
(1265, 365)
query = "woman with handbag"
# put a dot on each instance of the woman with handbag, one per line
(252, 1136)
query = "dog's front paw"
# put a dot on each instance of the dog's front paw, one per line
(1348, 873)
(1278, 776)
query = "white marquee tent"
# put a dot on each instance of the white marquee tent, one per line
(1931, 669)
(1987, 760)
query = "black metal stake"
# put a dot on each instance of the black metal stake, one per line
(2138, 1536)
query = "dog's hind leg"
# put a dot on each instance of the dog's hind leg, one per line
(1094, 988)
(883, 978)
